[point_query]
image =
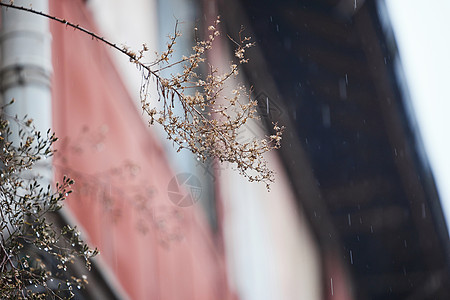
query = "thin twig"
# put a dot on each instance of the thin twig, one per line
(82, 29)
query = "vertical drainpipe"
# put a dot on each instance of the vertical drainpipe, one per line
(25, 68)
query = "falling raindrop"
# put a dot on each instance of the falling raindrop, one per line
(331, 284)
(351, 257)
(349, 220)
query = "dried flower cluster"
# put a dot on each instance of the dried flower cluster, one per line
(26, 233)
(210, 120)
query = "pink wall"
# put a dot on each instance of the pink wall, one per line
(156, 249)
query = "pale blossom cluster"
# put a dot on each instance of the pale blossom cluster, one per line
(211, 118)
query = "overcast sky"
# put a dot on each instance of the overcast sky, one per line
(422, 30)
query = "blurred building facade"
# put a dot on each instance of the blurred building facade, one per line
(353, 214)
(220, 249)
